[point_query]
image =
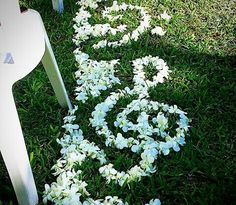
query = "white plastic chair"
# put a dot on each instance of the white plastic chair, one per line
(23, 44)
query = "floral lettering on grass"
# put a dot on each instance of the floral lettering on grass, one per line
(152, 125)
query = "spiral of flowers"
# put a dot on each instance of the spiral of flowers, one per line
(92, 78)
(144, 144)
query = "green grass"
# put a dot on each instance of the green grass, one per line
(200, 50)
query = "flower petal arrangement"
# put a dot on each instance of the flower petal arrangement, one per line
(159, 128)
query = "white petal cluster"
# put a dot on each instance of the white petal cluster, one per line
(84, 29)
(146, 127)
(144, 144)
(89, 3)
(158, 31)
(165, 16)
(69, 188)
(141, 83)
(154, 202)
(92, 78)
(144, 24)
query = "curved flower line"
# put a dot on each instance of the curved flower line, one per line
(69, 188)
(141, 84)
(96, 76)
(84, 29)
(144, 144)
(93, 77)
(144, 24)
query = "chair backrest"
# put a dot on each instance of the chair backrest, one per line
(22, 43)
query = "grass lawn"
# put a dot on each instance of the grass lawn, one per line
(200, 49)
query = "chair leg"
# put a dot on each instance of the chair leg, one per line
(58, 5)
(52, 70)
(14, 153)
